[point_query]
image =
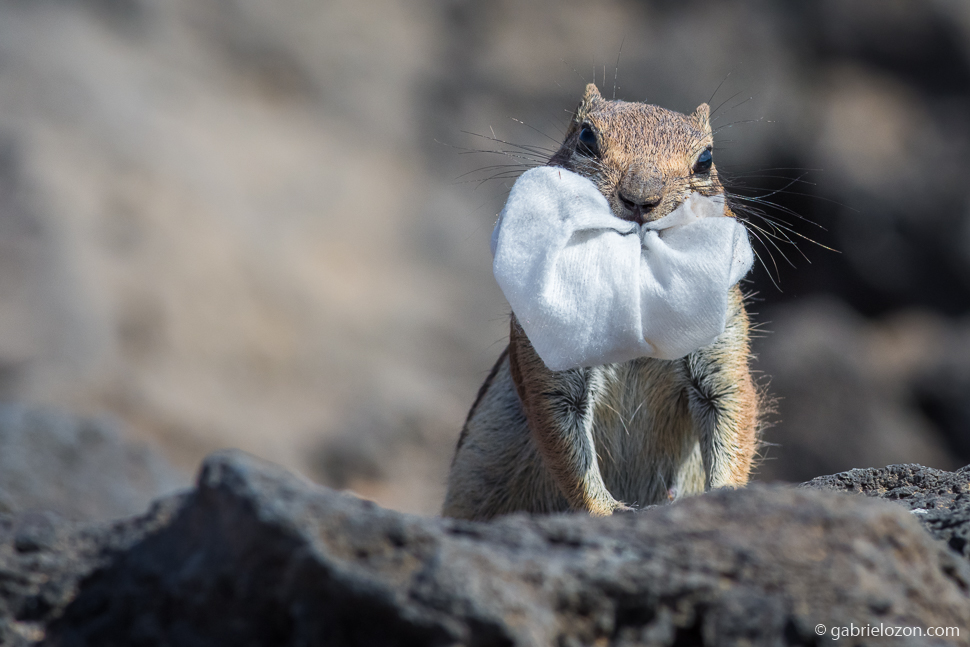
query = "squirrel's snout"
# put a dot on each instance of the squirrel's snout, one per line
(640, 191)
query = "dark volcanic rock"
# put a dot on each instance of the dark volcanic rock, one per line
(43, 557)
(940, 500)
(255, 556)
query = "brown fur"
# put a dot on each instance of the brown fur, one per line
(642, 432)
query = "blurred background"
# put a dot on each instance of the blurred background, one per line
(259, 225)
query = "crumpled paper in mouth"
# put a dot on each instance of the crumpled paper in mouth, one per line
(589, 288)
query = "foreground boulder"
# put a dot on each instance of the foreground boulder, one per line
(256, 556)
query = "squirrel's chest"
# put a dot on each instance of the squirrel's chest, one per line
(640, 411)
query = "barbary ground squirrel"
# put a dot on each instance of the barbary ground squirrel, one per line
(609, 438)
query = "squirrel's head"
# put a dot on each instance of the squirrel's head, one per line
(645, 159)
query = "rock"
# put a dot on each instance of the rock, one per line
(257, 556)
(35, 531)
(43, 557)
(79, 468)
(939, 500)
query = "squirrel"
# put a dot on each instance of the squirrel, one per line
(612, 438)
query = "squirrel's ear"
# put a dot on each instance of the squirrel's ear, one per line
(702, 116)
(590, 97)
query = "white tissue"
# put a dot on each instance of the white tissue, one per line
(589, 288)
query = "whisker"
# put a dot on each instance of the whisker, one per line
(462, 150)
(818, 197)
(776, 192)
(552, 139)
(510, 168)
(773, 205)
(524, 147)
(721, 105)
(726, 76)
(616, 70)
(761, 260)
(777, 168)
(780, 225)
(770, 238)
(770, 177)
(576, 72)
(738, 122)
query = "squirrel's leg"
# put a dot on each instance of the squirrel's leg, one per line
(559, 409)
(724, 403)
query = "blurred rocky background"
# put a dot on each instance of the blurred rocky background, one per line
(249, 224)
(80, 469)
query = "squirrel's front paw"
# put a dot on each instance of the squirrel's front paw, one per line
(607, 508)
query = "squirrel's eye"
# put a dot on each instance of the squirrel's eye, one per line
(587, 142)
(703, 163)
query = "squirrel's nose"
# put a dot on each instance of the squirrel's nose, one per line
(639, 207)
(641, 203)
